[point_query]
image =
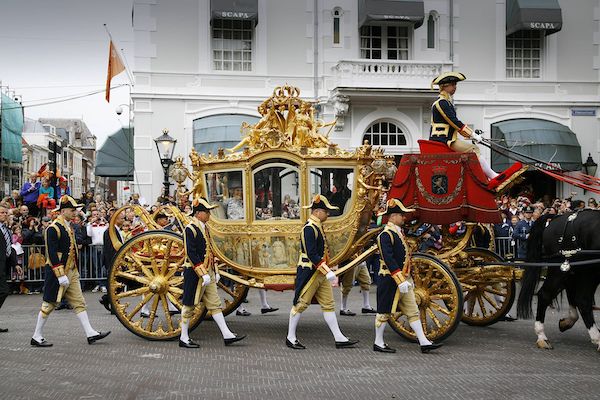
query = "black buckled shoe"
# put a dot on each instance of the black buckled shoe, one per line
(3, 330)
(508, 318)
(42, 343)
(104, 301)
(268, 310)
(296, 345)
(369, 311)
(343, 345)
(347, 313)
(243, 313)
(189, 345)
(99, 336)
(427, 348)
(231, 341)
(383, 349)
(144, 315)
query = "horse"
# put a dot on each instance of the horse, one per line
(548, 236)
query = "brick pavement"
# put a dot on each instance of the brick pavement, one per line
(497, 362)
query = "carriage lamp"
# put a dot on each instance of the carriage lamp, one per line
(165, 145)
(589, 167)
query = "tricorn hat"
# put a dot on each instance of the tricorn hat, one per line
(320, 201)
(67, 201)
(201, 204)
(395, 206)
(448, 77)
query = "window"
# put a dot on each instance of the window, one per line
(226, 190)
(334, 183)
(431, 32)
(336, 26)
(276, 191)
(385, 134)
(524, 54)
(232, 44)
(384, 42)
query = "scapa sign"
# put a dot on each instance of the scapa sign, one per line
(542, 25)
(234, 14)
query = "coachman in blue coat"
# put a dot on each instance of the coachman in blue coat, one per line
(62, 276)
(314, 276)
(395, 279)
(200, 277)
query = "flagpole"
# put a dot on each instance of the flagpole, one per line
(119, 52)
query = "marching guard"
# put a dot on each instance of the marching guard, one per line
(200, 279)
(62, 276)
(314, 277)
(394, 274)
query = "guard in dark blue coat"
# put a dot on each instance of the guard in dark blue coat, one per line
(445, 125)
(521, 232)
(62, 276)
(395, 279)
(314, 277)
(199, 277)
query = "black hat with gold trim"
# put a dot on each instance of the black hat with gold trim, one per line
(201, 204)
(448, 77)
(67, 201)
(395, 206)
(320, 201)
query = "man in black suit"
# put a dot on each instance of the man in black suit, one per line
(8, 257)
(109, 252)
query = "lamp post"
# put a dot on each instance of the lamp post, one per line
(165, 145)
(589, 167)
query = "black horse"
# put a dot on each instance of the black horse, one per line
(547, 238)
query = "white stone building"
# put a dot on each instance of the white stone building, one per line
(203, 66)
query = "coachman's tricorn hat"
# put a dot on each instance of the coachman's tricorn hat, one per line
(201, 204)
(448, 77)
(395, 206)
(67, 201)
(320, 201)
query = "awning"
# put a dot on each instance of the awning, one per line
(219, 131)
(115, 157)
(11, 116)
(234, 9)
(391, 10)
(533, 15)
(544, 140)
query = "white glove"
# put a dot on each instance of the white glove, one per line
(405, 286)
(205, 279)
(217, 277)
(330, 276)
(476, 137)
(63, 281)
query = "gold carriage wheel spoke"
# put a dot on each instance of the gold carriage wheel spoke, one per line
(471, 305)
(165, 266)
(152, 313)
(441, 297)
(132, 277)
(440, 308)
(130, 293)
(497, 292)
(176, 290)
(423, 319)
(173, 270)
(226, 289)
(491, 301)
(437, 285)
(434, 318)
(482, 306)
(139, 306)
(143, 268)
(178, 280)
(165, 305)
(175, 301)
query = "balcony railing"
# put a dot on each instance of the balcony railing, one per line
(388, 74)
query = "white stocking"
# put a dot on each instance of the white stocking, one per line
(379, 335)
(418, 329)
(333, 326)
(39, 327)
(220, 320)
(344, 302)
(366, 300)
(489, 172)
(85, 323)
(185, 336)
(263, 298)
(293, 324)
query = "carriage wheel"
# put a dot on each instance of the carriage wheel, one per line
(147, 274)
(494, 290)
(438, 296)
(230, 292)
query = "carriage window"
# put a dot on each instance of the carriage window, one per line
(276, 193)
(336, 184)
(226, 190)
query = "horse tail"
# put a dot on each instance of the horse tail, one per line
(532, 274)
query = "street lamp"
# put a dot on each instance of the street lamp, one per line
(165, 145)
(589, 167)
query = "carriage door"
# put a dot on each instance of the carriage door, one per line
(276, 186)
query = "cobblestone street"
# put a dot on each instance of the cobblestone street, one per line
(496, 362)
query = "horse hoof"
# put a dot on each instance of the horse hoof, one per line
(565, 324)
(544, 344)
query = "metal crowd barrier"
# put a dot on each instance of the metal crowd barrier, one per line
(505, 246)
(33, 261)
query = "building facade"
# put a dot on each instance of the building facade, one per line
(532, 68)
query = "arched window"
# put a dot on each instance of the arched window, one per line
(337, 16)
(385, 133)
(432, 30)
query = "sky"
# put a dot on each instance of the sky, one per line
(59, 48)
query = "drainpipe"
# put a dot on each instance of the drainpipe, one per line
(451, 31)
(315, 50)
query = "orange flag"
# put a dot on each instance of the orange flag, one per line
(115, 67)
